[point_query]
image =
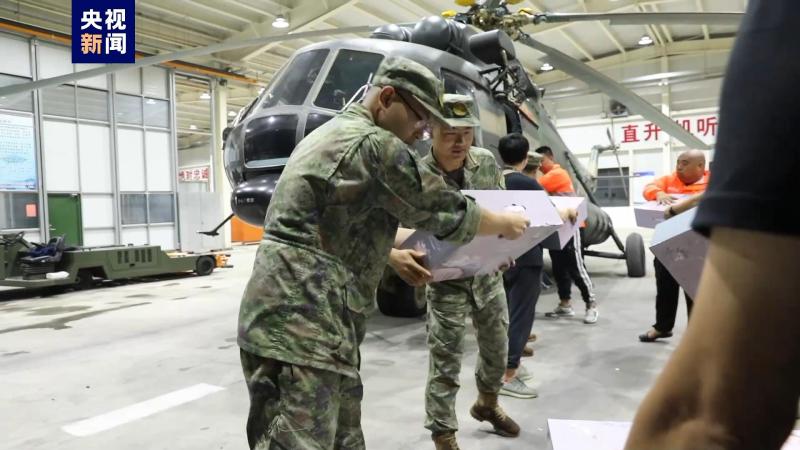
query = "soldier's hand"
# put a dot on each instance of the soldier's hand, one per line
(409, 267)
(568, 214)
(665, 199)
(514, 225)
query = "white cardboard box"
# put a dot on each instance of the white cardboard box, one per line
(598, 435)
(681, 250)
(649, 214)
(487, 254)
(559, 239)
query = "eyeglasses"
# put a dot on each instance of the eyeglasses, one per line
(423, 122)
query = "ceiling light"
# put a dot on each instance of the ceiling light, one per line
(645, 40)
(192, 127)
(546, 67)
(231, 113)
(280, 22)
(205, 96)
(150, 101)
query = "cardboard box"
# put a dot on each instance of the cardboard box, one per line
(650, 214)
(681, 250)
(488, 254)
(559, 239)
(599, 435)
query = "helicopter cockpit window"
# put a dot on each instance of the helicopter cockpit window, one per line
(349, 72)
(292, 88)
(456, 84)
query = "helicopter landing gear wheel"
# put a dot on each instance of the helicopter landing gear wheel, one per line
(404, 301)
(634, 255)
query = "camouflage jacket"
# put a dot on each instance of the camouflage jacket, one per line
(328, 231)
(481, 171)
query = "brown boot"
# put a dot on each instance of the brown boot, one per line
(527, 351)
(532, 338)
(487, 409)
(445, 440)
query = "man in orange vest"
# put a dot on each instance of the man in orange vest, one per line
(568, 265)
(690, 178)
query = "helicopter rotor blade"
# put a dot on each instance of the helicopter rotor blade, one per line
(647, 18)
(615, 90)
(181, 54)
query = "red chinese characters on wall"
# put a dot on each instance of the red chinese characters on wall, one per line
(194, 174)
(650, 132)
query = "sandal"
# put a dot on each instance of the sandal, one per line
(648, 337)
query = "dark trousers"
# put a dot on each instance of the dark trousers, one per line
(667, 293)
(568, 267)
(523, 285)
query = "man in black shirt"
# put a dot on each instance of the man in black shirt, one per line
(734, 380)
(523, 282)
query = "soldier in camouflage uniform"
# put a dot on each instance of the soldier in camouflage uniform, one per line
(328, 231)
(481, 297)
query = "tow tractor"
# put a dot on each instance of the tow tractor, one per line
(29, 265)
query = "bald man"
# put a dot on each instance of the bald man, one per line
(690, 178)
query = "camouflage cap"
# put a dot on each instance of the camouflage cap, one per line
(460, 111)
(534, 160)
(414, 78)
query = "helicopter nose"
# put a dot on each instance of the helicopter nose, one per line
(250, 199)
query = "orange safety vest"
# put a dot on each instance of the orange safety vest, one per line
(557, 181)
(671, 184)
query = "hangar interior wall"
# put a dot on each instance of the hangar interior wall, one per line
(100, 152)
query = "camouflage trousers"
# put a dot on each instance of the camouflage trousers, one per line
(298, 407)
(447, 312)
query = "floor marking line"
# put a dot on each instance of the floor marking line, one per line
(140, 410)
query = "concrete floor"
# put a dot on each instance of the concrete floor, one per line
(79, 355)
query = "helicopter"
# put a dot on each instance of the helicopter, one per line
(474, 54)
(473, 51)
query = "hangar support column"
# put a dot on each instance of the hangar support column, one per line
(220, 181)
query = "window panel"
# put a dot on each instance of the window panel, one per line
(19, 210)
(59, 101)
(134, 236)
(156, 113)
(161, 208)
(16, 58)
(128, 109)
(99, 238)
(160, 175)
(60, 140)
(155, 82)
(18, 102)
(53, 60)
(129, 81)
(95, 154)
(97, 211)
(92, 104)
(163, 236)
(130, 159)
(133, 208)
(98, 82)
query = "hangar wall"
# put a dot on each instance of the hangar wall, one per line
(94, 160)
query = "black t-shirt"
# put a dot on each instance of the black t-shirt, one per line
(516, 181)
(755, 184)
(457, 176)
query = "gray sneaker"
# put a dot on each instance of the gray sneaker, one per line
(524, 374)
(517, 388)
(561, 311)
(591, 315)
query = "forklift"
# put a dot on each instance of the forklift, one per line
(24, 264)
